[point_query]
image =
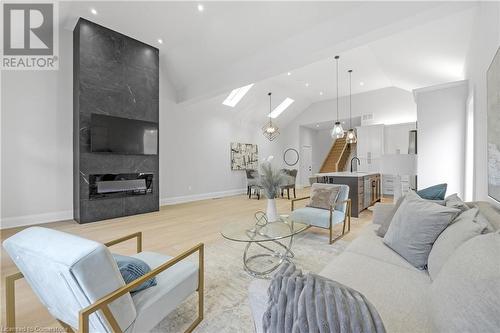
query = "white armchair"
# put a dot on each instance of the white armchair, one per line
(79, 282)
(339, 212)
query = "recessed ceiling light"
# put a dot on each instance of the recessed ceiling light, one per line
(307, 84)
(160, 41)
(93, 11)
(321, 93)
(282, 107)
(200, 7)
(361, 83)
(236, 95)
(288, 73)
(317, 125)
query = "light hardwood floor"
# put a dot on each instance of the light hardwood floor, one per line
(171, 230)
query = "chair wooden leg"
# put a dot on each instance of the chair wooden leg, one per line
(331, 226)
(347, 220)
(333, 240)
(201, 288)
(349, 216)
(10, 299)
(294, 196)
(288, 193)
(331, 234)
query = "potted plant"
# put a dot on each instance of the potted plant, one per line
(271, 180)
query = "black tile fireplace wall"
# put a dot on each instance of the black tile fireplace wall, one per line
(118, 76)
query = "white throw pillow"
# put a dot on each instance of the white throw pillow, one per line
(455, 202)
(463, 228)
(415, 227)
(465, 297)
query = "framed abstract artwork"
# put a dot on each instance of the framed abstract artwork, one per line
(493, 82)
(244, 156)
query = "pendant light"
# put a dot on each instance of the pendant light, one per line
(337, 130)
(270, 130)
(351, 135)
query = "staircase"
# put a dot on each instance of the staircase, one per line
(336, 159)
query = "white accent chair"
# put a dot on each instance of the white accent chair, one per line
(79, 283)
(339, 212)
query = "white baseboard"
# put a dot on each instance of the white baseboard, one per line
(202, 196)
(26, 220)
(22, 221)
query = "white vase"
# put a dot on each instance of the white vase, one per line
(272, 211)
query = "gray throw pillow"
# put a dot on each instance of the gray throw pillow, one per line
(323, 195)
(463, 228)
(455, 202)
(465, 296)
(384, 225)
(415, 226)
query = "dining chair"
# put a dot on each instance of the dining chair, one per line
(290, 176)
(253, 183)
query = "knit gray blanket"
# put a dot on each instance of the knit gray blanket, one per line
(311, 303)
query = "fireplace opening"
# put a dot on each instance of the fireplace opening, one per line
(102, 186)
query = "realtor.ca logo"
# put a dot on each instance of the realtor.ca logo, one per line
(29, 36)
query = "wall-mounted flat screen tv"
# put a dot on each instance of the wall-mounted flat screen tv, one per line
(122, 135)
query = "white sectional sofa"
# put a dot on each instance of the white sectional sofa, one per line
(404, 296)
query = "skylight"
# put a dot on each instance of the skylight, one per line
(236, 95)
(280, 108)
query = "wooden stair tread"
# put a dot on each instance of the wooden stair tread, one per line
(337, 156)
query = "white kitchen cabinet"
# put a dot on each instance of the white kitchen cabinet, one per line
(388, 184)
(370, 147)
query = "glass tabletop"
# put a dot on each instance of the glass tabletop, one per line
(257, 229)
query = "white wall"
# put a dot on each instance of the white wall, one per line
(322, 143)
(397, 137)
(37, 142)
(195, 153)
(388, 105)
(485, 41)
(37, 145)
(441, 136)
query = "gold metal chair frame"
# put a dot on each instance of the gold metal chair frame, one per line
(103, 303)
(330, 227)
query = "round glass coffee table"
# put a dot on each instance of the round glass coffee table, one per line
(272, 240)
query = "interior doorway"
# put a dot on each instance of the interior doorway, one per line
(306, 165)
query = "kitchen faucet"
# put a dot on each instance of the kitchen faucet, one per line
(355, 158)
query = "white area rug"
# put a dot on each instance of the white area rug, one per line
(226, 284)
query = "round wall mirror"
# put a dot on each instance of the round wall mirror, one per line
(291, 157)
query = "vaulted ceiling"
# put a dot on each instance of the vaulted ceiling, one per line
(282, 46)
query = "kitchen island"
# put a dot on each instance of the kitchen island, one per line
(364, 187)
